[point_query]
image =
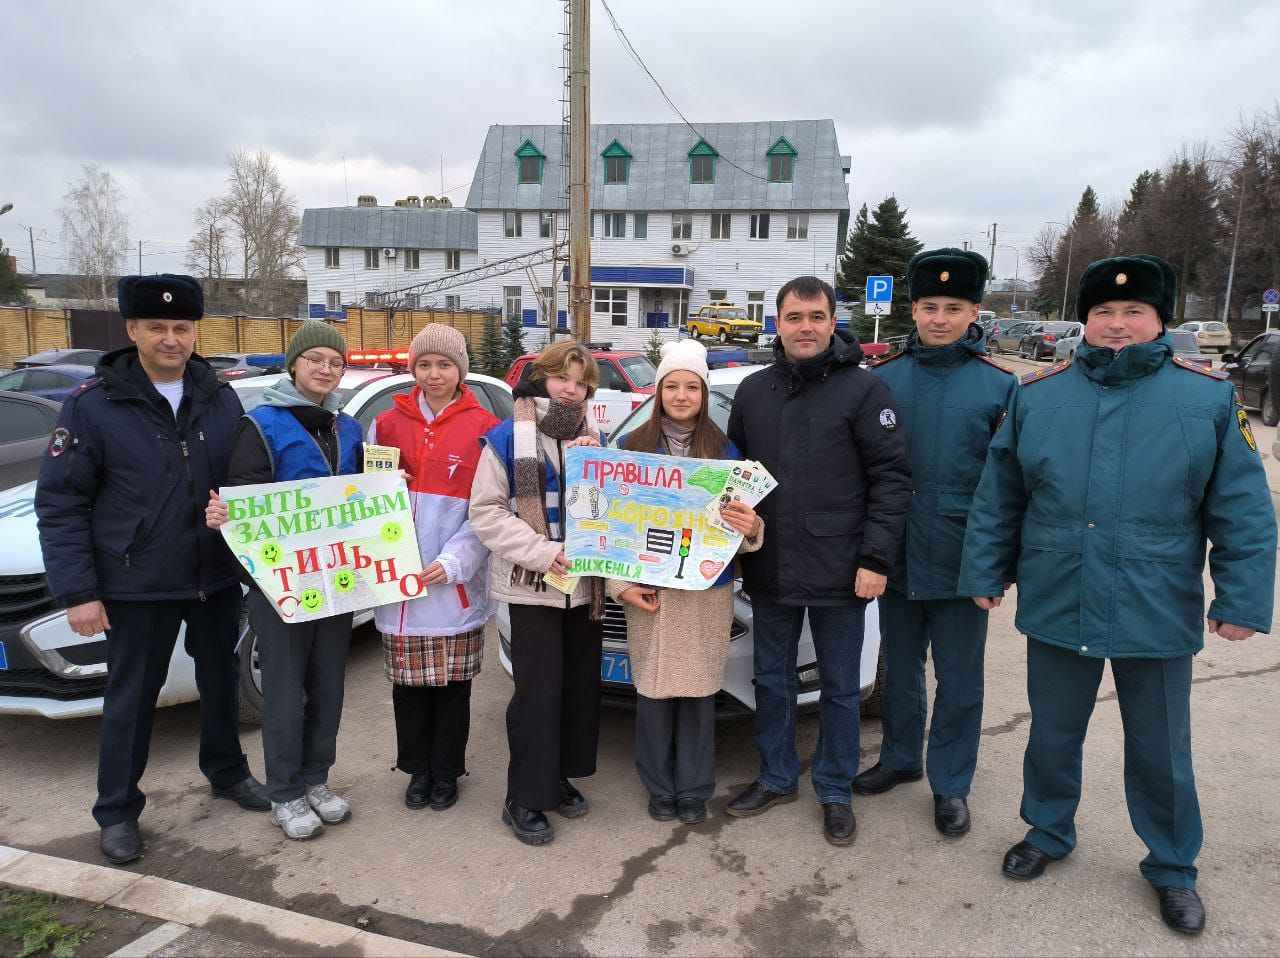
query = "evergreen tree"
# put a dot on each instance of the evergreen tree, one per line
(512, 342)
(1132, 224)
(879, 245)
(489, 355)
(653, 348)
(12, 290)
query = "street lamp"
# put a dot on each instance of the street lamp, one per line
(6, 208)
(1066, 280)
(1017, 259)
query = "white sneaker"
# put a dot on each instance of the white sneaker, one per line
(328, 806)
(296, 818)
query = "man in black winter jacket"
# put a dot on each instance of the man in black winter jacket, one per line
(828, 432)
(120, 502)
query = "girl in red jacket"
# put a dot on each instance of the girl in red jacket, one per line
(433, 643)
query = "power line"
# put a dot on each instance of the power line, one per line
(631, 50)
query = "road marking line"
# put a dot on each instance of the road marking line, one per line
(152, 941)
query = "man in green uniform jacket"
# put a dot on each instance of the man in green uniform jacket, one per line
(951, 400)
(1114, 470)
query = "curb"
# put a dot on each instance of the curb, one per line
(187, 905)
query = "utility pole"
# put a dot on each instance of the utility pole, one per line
(555, 278)
(991, 263)
(579, 167)
(31, 237)
(1235, 243)
(1066, 280)
(139, 257)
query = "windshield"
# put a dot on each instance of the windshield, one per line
(1184, 341)
(639, 370)
(733, 314)
(721, 403)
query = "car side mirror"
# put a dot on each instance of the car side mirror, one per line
(1228, 358)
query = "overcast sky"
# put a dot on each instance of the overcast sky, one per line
(970, 113)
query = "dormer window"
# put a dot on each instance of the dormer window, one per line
(530, 159)
(702, 163)
(782, 161)
(617, 164)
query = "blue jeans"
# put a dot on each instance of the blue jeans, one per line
(837, 638)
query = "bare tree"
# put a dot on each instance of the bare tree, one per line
(209, 252)
(95, 232)
(253, 226)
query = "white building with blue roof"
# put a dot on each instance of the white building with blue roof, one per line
(680, 219)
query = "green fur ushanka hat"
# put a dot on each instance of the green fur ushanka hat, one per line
(1141, 277)
(954, 272)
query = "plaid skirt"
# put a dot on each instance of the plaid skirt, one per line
(432, 659)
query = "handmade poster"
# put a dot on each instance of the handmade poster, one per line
(321, 547)
(645, 518)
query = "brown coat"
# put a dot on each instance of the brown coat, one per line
(680, 650)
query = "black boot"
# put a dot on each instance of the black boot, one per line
(248, 793)
(418, 793)
(572, 802)
(879, 778)
(1181, 909)
(755, 800)
(1024, 861)
(121, 843)
(444, 793)
(838, 823)
(528, 824)
(951, 816)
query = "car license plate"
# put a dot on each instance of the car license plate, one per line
(4, 659)
(615, 667)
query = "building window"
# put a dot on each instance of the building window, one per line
(530, 159)
(797, 226)
(760, 226)
(333, 300)
(702, 163)
(781, 156)
(372, 300)
(544, 225)
(411, 300)
(453, 259)
(331, 260)
(615, 225)
(411, 258)
(641, 226)
(717, 296)
(452, 301)
(755, 306)
(544, 306)
(617, 163)
(682, 226)
(613, 303)
(511, 301)
(591, 223)
(511, 225)
(371, 258)
(720, 225)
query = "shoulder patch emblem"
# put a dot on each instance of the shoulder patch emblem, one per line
(59, 441)
(1042, 374)
(1242, 418)
(1197, 368)
(888, 419)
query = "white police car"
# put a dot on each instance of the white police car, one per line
(46, 669)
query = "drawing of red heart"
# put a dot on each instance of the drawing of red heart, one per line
(710, 569)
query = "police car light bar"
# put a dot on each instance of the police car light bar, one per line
(372, 358)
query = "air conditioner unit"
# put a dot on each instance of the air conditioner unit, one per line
(680, 249)
(388, 252)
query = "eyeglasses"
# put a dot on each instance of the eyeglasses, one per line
(319, 363)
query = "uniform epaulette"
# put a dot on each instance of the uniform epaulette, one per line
(1000, 366)
(884, 359)
(1042, 374)
(85, 386)
(1198, 368)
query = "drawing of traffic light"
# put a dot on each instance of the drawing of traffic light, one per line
(686, 537)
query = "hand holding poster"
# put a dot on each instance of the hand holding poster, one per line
(321, 547)
(644, 517)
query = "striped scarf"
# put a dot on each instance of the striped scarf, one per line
(564, 422)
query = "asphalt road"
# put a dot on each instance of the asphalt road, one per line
(616, 883)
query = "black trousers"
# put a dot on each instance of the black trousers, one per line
(433, 723)
(676, 746)
(304, 667)
(553, 720)
(139, 646)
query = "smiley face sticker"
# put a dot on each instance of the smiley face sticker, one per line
(312, 600)
(271, 553)
(391, 532)
(344, 580)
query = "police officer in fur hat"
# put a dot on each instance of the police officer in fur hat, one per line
(1106, 482)
(120, 502)
(951, 399)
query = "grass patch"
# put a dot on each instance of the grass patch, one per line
(30, 920)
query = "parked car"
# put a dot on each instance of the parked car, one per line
(25, 425)
(1250, 372)
(626, 378)
(1210, 334)
(723, 321)
(1186, 346)
(51, 357)
(47, 382)
(1041, 340)
(233, 366)
(737, 695)
(53, 672)
(1065, 347)
(1006, 335)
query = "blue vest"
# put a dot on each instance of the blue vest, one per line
(295, 453)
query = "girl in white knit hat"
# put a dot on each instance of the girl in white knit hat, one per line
(432, 644)
(679, 639)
